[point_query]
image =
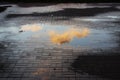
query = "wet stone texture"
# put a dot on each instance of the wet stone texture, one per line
(60, 42)
(39, 64)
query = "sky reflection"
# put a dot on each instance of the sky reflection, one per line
(68, 35)
(56, 34)
(31, 27)
(59, 34)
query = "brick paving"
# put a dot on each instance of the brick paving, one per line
(36, 60)
(42, 63)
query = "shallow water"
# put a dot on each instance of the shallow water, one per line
(93, 38)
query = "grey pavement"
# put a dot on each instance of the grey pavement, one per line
(32, 54)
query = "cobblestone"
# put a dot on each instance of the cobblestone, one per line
(39, 59)
(39, 64)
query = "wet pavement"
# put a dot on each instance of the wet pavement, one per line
(60, 42)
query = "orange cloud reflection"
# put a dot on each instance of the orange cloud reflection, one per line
(31, 27)
(41, 71)
(68, 35)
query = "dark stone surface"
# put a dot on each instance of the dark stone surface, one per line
(70, 12)
(105, 66)
(2, 9)
(35, 4)
(58, 1)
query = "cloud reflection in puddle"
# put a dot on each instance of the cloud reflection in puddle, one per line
(67, 36)
(43, 73)
(56, 36)
(31, 27)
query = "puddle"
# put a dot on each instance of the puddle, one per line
(66, 35)
(29, 27)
